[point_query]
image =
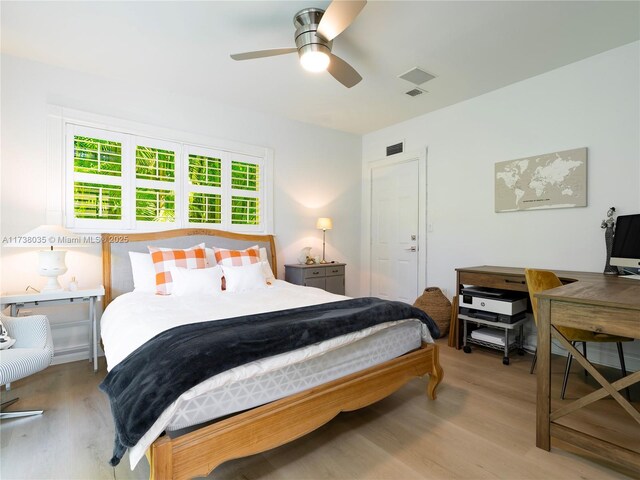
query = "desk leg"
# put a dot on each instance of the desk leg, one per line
(14, 310)
(543, 402)
(89, 355)
(94, 333)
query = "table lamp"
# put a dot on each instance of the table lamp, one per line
(51, 262)
(324, 224)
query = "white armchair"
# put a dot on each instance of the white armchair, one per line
(32, 352)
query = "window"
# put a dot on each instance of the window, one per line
(245, 192)
(119, 181)
(97, 201)
(154, 205)
(205, 186)
(156, 182)
(97, 178)
(205, 207)
(245, 210)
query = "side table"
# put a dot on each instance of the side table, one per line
(327, 276)
(63, 297)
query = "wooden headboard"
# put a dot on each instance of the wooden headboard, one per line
(116, 266)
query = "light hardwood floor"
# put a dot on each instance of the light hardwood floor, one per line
(481, 426)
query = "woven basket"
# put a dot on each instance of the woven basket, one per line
(437, 306)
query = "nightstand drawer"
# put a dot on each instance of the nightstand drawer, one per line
(314, 272)
(334, 270)
(316, 282)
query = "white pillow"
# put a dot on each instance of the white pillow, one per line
(211, 257)
(196, 281)
(245, 277)
(144, 273)
(268, 273)
(264, 258)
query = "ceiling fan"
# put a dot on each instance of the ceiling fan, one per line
(315, 31)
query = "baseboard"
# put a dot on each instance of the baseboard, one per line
(72, 354)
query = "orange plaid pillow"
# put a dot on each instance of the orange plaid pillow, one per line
(237, 258)
(165, 258)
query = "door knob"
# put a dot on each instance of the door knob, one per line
(411, 249)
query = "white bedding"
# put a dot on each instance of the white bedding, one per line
(134, 318)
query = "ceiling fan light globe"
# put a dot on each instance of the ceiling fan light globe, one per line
(314, 61)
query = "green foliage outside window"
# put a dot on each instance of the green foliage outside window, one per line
(155, 164)
(245, 211)
(205, 207)
(93, 155)
(96, 201)
(154, 205)
(245, 176)
(205, 171)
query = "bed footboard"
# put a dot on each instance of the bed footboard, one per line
(274, 424)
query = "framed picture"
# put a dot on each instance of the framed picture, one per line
(552, 180)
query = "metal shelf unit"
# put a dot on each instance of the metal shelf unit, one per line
(516, 327)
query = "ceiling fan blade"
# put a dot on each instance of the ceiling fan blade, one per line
(343, 72)
(338, 16)
(263, 53)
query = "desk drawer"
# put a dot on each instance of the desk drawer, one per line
(334, 270)
(596, 318)
(501, 281)
(314, 272)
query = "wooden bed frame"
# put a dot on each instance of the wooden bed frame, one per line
(262, 428)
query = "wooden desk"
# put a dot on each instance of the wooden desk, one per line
(590, 301)
(504, 278)
(600, 304)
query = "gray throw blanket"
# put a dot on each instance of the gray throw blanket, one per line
(152, 377)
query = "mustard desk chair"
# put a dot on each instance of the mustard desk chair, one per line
(539, 280)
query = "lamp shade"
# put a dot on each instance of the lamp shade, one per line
(51, 262)
(46, 236)
(324, 223)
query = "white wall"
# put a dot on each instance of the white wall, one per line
(593, 103)
(317, 171)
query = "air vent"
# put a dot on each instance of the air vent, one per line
(415, 92)
(416, 76)
(393, 149)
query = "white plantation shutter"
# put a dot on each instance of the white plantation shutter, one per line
(246, 193)
(122, 182)
(223, 188)
(204, 191)
(96, 179)
(157, 183)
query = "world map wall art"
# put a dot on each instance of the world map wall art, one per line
(552, 180)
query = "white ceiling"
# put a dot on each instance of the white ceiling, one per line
(471, 47)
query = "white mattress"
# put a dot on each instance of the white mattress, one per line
(134, 318)
(384, 345)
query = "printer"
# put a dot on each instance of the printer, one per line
(492, 304)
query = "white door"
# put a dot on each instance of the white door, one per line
(394, 231)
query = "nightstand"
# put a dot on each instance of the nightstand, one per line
(31, 300)
(327, 276)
